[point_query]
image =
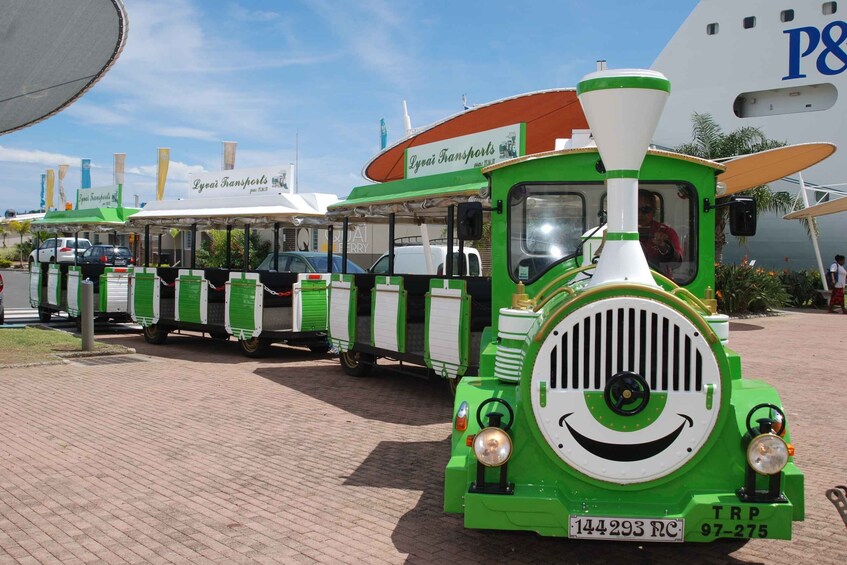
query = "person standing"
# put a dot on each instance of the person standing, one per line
(837, 279)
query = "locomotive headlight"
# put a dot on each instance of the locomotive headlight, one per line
(767, 454)
(492, 447)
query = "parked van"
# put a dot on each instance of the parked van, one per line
(410, 259)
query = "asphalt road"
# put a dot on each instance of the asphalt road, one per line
(15, 290)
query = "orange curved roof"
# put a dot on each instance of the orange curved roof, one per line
(548, 115)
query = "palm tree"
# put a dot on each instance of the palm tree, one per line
(21, 228)
(710, 142)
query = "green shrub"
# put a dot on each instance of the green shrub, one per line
(213, 250)
(5, 263)
(742, 289)
(802, 288)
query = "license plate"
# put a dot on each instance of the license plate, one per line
(643, 529)
(120, 262)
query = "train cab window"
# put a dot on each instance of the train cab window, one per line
(667, 229)
(546, 223)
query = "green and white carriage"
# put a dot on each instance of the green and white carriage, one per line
(600, 398)
(256, 308)
(57, 287)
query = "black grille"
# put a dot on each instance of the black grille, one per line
(627, 339)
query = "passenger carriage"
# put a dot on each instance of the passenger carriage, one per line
(56, 287)
(256, 308)
(599, 397)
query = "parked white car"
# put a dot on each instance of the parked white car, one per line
(410, 259)
(51, 251)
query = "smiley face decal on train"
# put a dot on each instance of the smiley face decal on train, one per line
(625, 390)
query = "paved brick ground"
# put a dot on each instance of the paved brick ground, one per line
(193, 454)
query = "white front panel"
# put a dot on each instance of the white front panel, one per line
(386, 312)
(34, 284)
(444, 330)
(117, 288)
(73, 293)
(339, 314)
(580, 356)
(54, 278)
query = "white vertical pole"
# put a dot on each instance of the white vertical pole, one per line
(814, 231)
(426, 250)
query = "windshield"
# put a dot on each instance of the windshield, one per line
(319, 263)
(547, 223)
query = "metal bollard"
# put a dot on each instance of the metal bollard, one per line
(87, 315)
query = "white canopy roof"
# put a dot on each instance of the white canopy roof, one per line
(257, 211)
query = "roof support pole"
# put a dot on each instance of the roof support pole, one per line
(276, 246)
(329, 248)
(391, 244)
(76, 247)
(344, 246)
(814, 232)
(461, 258)
(228, 246)
(147, 245)
(246, 247)
(159, 249)
(448, 268)
(193, 245)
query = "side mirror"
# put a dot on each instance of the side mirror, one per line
(742, 216)
(470, 221)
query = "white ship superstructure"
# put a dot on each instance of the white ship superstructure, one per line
(778, 66)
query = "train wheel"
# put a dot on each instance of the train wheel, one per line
(356, 363)
(155, 334)
(44, 315)
(219, 335)
(255, 347)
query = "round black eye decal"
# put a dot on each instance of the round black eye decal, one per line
(627, 393)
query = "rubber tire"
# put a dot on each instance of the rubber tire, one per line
(2, 315)
(155, 334)
(255, 347)
(319, 348)
(356, 363)
(219, 335)
(44, 315)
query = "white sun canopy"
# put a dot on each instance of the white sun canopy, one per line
(217, 213)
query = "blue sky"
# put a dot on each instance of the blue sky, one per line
(309, 81)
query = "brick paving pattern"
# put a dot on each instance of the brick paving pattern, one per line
(191, 453)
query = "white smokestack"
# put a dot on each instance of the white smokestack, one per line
(623, 108)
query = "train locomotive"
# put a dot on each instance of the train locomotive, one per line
(608, 404)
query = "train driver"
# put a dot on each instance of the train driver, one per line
(659, 241)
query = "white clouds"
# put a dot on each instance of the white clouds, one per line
(177, 171)
(376, 33)
(12, 155)
(242, 14)
(188, 133)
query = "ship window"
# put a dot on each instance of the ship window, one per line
(786, 16)
(788, 100)
(711, 29)
(829, 8)
(749, 22)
